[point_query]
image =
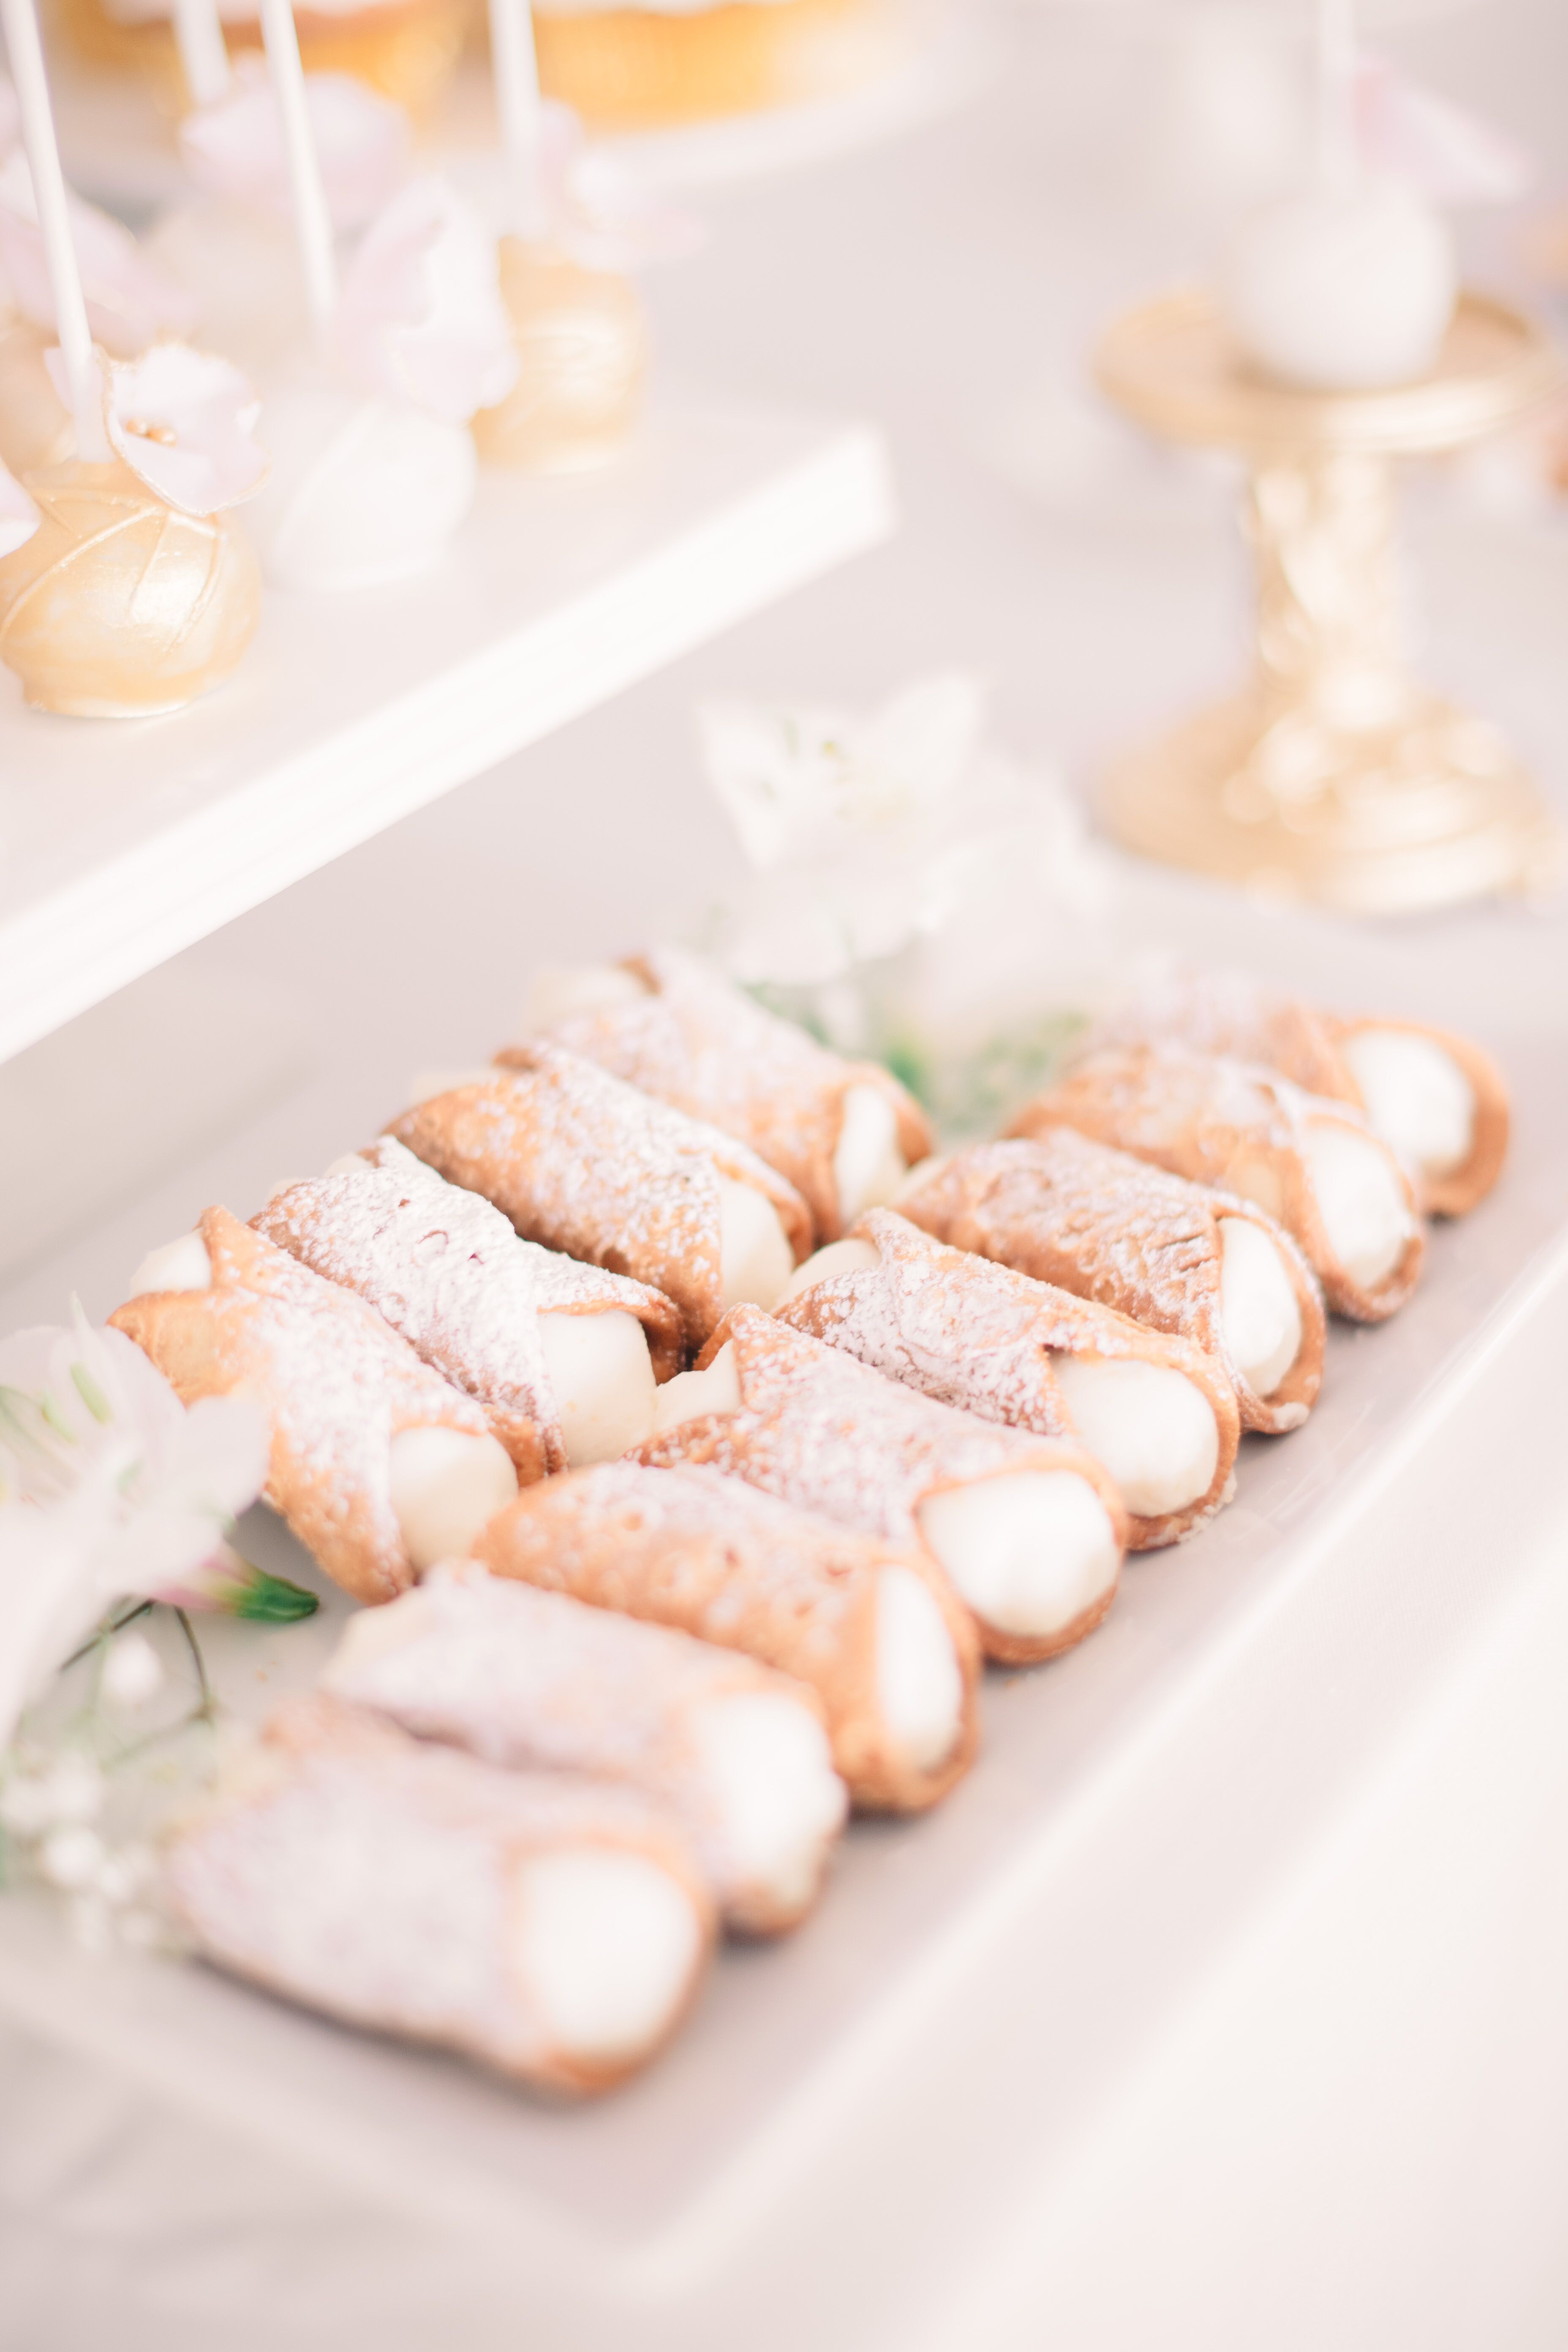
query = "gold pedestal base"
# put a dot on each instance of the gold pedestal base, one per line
(1335, 776)
(1426, 811)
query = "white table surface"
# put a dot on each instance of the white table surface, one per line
(1338, 2111)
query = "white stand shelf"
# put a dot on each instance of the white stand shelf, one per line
(123, 842)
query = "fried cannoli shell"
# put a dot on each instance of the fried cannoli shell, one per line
(381, 1879)
(980, 1337)
(701, 1044)
(713, 1558)
(449, 1275)
(828, 1434)
(1240, 1128)
(1230, 1012)
(335, 1381)
(587, 1164)
(1109, 1227)
(535, 1681)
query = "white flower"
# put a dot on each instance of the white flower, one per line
(594, 205)
(18, 515)
(234, 148)
(184, 421)
(132, 1672)
(1437, 148)
(128, 300)
(51, 1594)
(421, 316)
(72, 1859)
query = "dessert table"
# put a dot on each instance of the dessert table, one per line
(1222, 2007)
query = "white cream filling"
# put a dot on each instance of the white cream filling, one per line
(689, 1395)
(1153, 1430)
(1358, 1199)
(919, 1685)
(755, 1260)
(372, 1633)
(1417, 1098)
(600, 1377)
(558, 991)
(838, 1257)
(868, 1166)
(605, 1943)
(925, 1171)
(446, 1484)
(184, 1265)
(1258, 1308)
(1028, 1551)
(778, 1799)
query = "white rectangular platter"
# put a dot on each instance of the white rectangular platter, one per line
(123, 841)
(844, 2131)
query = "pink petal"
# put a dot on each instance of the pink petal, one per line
(236, 148)
(1445, 152)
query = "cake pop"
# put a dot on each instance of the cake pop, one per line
(132, 593)
(374, 467)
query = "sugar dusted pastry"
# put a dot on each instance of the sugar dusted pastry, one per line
(870, 1626)
(564, 1357)
(1155, 1411)
(843, 1133)
(380, 1468)
(1313, 1164)
(1030, 1530)
(527, 1678)
(1178, 1257)
(554, 1926)
(584, 1163)
(1434, 1099)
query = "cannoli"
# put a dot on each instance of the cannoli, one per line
(1314, 1165)
(870, 1626)
(1434, 1097)
(521, 1677)
(564, 1357)
(584, 1163)
(1174, 1256)
(378, 1465)
(1030, 1530)
(1155, 1411)
(554, 1926)
(843, 1133)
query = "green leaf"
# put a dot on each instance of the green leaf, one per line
(91, 1395)
(273, 1601)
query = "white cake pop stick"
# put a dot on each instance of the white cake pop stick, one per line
(516, 68)
(312, 218)
(204, 53)
(1336, 58)
(19, 18)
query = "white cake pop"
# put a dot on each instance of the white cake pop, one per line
(1350, 285)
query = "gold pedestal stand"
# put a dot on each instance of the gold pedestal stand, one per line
(1335, 776)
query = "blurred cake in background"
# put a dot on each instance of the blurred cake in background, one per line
(407, 49)
(659, 61)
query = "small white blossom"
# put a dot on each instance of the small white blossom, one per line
(132, 1672)
(71, 1859)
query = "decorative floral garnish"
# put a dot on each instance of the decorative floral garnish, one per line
(1435, 146)
(421, 316)
(130, 301)
(184, 422)
(595, 206)
(111, 1487)
(914, 893)
(19, 517)
(234, 148)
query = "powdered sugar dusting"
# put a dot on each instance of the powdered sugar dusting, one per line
(584, 1163)
(374, 1879)
(701, 1044)
(827, 1433)
(336, 1381)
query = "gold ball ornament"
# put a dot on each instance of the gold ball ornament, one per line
(582, 341)
(119, 606)
(36, 427)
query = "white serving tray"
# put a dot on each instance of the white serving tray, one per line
(123, 841)
(856, 2121)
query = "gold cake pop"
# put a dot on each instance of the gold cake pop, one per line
(582, 344)
(36, 426)
(406, 49)
(135, 593)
